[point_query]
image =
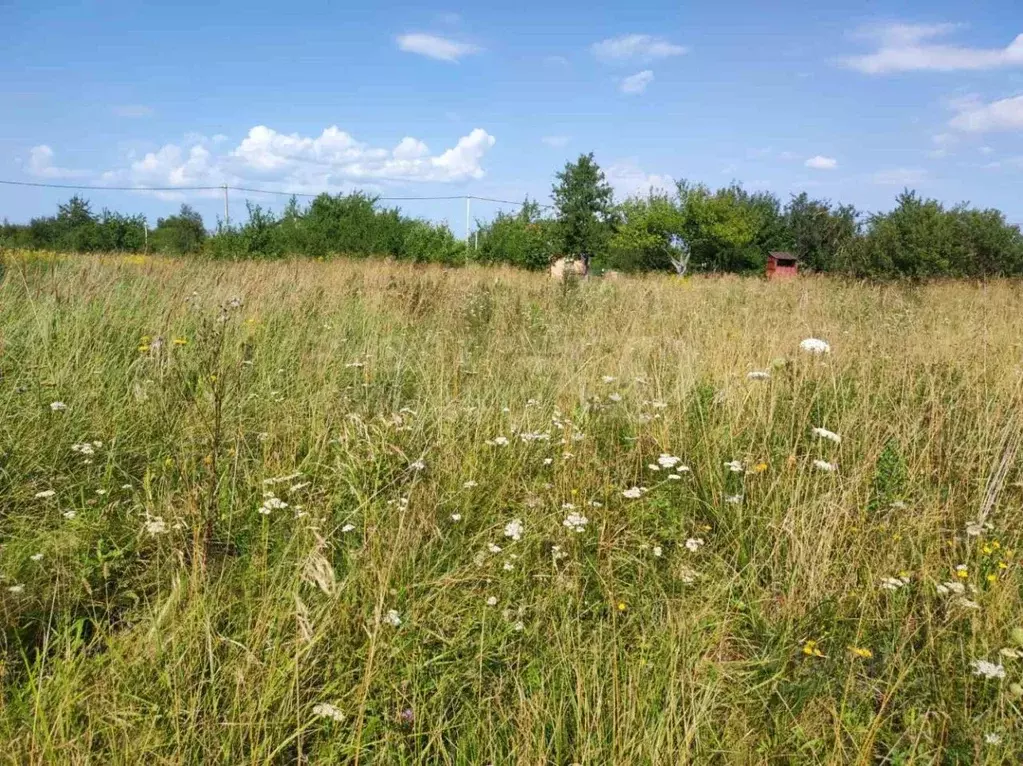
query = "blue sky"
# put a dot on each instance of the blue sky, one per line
(846, 100)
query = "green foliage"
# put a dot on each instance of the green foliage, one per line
(585, 206)
(523, 239)
(181, 234)
(428, 243)
(650, 234)
(820, 234)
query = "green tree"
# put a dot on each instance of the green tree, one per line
(180, 234)
(524, 239)
(820, 234)
(650, 235)
(585, 207)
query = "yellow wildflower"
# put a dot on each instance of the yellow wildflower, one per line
(622, 606)
(860, 652)
(810, 649)
(143, 349)
(760, 467)
(992, 577)
(181, 341)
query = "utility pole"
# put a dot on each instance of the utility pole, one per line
(467, 219)
(227, 209)
(145, 234)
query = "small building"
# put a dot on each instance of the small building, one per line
(781, 265)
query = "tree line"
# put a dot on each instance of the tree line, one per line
(690, 229)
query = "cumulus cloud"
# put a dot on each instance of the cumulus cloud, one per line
(635, 48)
(432, 46)
(978, 117)
(41, 164)
(636, 83)
(820, 162)
(628, 179)
(133, 111)
(332, 160)
(918, 47)
(556, 142)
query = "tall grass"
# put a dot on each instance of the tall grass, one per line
(169, 620)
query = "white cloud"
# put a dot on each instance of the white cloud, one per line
(627, 179)
(133, 110)
(330, 161)
(556, 142)
(432, 46)
(40, 164)
(976, 117)
(636, 47)
(900, 177)
(819, 162)
(636, 83)
(913, 48)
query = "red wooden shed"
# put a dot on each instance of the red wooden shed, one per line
(781, 265)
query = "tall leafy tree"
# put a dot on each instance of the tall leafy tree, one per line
(585, 206)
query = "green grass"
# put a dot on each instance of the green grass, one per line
(213, 641)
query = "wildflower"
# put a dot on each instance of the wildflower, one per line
(735, 466)
(860, 652)
(962, 571)
(824, 465)
(45, 494)
(470, 484)
(492, 601)
(1012, 654)
(557, 553)
(615, 397)
(674, 477)
(733, 499)
(181, 341)
(810, 649)
(760, 467)
(622, 606)
(992, 738)
(156, 526)
(548, 460)
(500, 441)
(632, 493)
(894, 583)
(348, 528)
(16, 589)
(576, 522)
(272, 503)
(58, 406)
(608, 379)
(658, 551)
(519, 626)
(758, 375)
(508, 566)
(392, 618)
(85, 448)
(36, 557)
(986, 669)
(815, 346)
(69, 514)
(493, 548)
(967, 603)
(694, 544)
(456, 517)
(326, 710)
(946, 588)
(418, 465)
(668, 461)
(513, 529)
(824, 433)
(654, 467)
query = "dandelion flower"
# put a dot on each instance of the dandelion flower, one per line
(758, 375)
(576, 522)
(58, 406)
(326, 710)
(392, 618)
(815, 346)
(514, 529)
(632, 493)
(492, 601)
(735, 466)
(824, 433)
(824, 465)
(985, 669)
(694, 544)
(45, 494)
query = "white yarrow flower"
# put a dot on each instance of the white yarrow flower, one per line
(156, 526)
(348, 528)
(633, 493)
(986, 669)
(58, 406)
(824, 433)
(735, 466)
(668, 461)
(694, 544)
(758, 375)
(492, 601)
(69, 514)
(992, 738)
(824, 465)
(500, 441)
(576, 522)
(815, 346)
(36, 557)
(392, 618)
(658, 551)
(456, 517)
(45, 494)
(470, 484)
(16, 589)
(513, 529)
(326, 710)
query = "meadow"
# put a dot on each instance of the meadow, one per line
(379, 513)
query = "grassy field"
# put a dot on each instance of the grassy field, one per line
(358, 512)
